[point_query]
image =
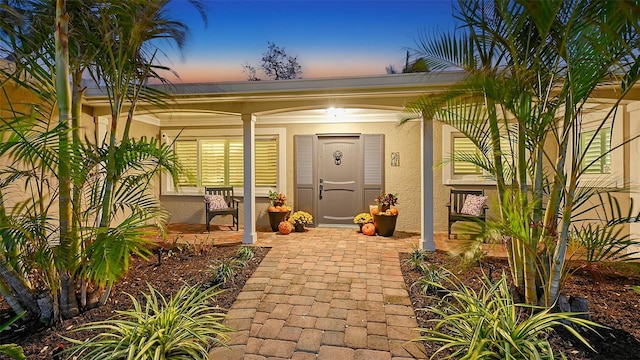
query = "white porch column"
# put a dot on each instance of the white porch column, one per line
(634, 170)
(426, 141)
(249, 211)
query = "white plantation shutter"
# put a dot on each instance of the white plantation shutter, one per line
(218, 162)
(601, 145)
(463, 145)
(187, 154)
(235, 163)
(266, 152)
(212, 162)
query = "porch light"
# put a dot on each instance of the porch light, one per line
(335, 112)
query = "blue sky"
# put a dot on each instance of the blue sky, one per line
(330, 38)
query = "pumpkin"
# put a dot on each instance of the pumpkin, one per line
(368, 229)
(285, 227)
(393, 211)
(272, 209)
(374, 211)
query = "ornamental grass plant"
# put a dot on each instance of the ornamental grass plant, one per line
(487, 324)
(182, 327)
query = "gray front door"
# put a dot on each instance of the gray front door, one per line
(340, 183)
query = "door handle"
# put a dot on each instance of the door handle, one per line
(321, 188)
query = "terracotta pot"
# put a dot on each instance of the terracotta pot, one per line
(276, 217)
(385, 224)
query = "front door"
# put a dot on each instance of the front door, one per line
(340, 184)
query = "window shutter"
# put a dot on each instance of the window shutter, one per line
(266, 162)
(236, 163)
(373, 159)
(212, 162)
(464, 145)
(305, 187)
(187, 154)
(601, 145)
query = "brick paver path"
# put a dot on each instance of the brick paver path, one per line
(325, 294)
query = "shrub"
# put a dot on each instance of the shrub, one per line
(488, 325)
(182, 327)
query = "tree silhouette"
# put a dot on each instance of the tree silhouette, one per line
(276, 64)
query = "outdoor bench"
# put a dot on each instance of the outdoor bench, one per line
(220, 201)
(462, 209)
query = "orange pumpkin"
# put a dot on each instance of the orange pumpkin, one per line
(272, 209)
(368, 229)
(374, 211)
(285, 227)
(393, 211)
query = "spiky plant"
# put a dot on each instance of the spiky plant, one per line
(431, 279)
(224, 270)
(244, 254)
(487, 324)
(183, 327)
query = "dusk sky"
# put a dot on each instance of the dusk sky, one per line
(330, 38)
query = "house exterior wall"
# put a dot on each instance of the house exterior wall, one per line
(403, 179)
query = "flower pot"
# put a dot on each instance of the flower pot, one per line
(276, 217)
(299, 227)
(385, 224)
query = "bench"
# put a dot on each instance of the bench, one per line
(456, 202)
(232, 204)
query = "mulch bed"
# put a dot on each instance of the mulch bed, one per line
(180, 264)
(607, 287)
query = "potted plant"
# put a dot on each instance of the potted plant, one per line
(384, 218)
(299, 219)
(386, 200)
(362, 218)
(278, 209)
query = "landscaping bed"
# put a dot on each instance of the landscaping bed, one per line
(180, 264)
(607, 287)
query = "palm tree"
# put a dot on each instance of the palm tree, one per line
(531, 69)
(93, 184)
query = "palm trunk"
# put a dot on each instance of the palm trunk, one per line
(6, 293)
(76, 111)
(105, 215)
(68, 306)
(24, 294)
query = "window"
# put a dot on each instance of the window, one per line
(597, 155)
(464, 146)
(464, 172)
(220, 161)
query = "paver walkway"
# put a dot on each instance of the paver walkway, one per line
(325, 294)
